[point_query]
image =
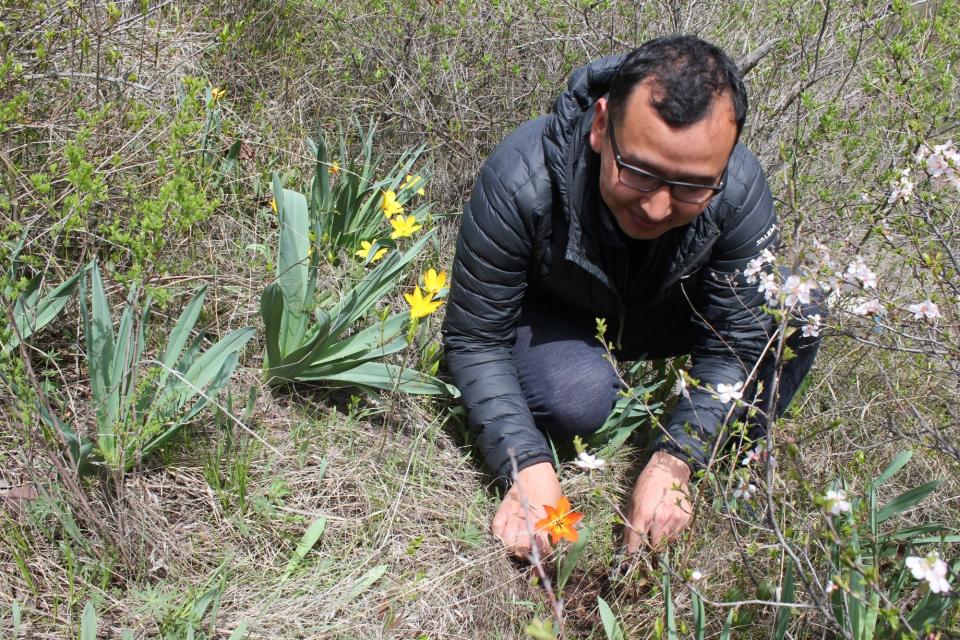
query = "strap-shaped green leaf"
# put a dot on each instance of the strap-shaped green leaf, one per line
(384, 376)
(907, 500)
(271, 311)
(786, 597)
(32, 313)
(181, 334)
(611, 627)
(895, 465)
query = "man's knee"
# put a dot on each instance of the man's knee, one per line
(576, 401)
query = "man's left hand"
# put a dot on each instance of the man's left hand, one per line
(660, 505)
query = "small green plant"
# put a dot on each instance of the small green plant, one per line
(142, 403)
(31, 311)
(352, 209)
(306, 343)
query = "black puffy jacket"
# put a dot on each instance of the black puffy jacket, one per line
(533, 224)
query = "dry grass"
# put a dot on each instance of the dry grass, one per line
(391, 475)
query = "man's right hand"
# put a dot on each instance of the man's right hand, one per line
(539, 485)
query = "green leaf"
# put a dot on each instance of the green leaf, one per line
(307, 542)
(88, 622)
(271, 310)
(699, 616)
(384, 376)
(898, 463)
(670, 614)
(181, 334)
(364, 582)
(611, 627)
(572, 557)
(727, 626)
(907, 500)
(786, 596)
(31, 313)
(240, 631)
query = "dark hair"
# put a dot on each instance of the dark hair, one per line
(689, 73)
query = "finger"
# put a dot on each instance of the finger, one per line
(636, 532)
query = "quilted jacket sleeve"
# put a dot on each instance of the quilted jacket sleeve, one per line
(732, 329)
(494, 250)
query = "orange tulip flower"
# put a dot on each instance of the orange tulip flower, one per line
(560, 521)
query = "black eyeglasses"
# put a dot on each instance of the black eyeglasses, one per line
(641, 180)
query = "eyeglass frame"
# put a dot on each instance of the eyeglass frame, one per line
(621, 165)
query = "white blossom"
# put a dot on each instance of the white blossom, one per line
(744, 490)
(696, 575)
(932, 569)
(835, 502)
(937, 165)
(590, 462)
(769, 288)
(798, 290)
(925, 309)
(831, 586)
(680, 387)
(752, 456)
(729, 392)
(901, 189)
(865, 307)
(811, 328)
(859, 271)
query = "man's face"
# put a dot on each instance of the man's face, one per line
(696, 154)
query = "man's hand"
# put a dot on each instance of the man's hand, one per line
(660, 506)
(539, 485)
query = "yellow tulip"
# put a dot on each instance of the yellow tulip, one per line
(421, 307)
(411, 181)
(433, 282)
(365, 248)
(403, 227)
(334, 168)
(390, 205)
(217, 93)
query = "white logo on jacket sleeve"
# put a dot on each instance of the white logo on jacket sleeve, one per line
(766, 236)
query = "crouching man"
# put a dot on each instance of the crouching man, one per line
(631, 201)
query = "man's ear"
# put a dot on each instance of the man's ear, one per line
(598, 130)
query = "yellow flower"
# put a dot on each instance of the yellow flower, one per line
(217, 93)
(403, 227)
(433, 282)
(334, 168)
(410, 182)
(390, 205)
(273, 205)
(365, 248)
(421, 307)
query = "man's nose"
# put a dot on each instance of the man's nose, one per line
(657, 203)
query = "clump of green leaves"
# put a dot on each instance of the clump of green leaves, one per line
(307, 343)
(142, 403)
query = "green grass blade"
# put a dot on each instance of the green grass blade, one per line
(271, 311)
(907, 500)
(786, 596)
(727, 626)
(384, 376)
(895, 465)
(240, 631)
(307, 542)
(611, 626)
(180, 334)
(366, 581)
(669, 611)
(572, 557)
(88, 622)
(32, 313)
(699, 616)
